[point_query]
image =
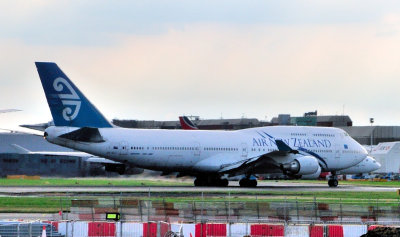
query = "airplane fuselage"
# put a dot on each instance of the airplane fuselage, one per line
(208, 151)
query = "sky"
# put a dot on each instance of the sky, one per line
(157, 60)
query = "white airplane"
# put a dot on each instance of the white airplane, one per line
(366, 166)
(210, 156)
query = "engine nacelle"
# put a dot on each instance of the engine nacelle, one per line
(301, 166)
(312, 176)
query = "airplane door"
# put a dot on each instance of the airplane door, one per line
(244, 150)
(197, 149)
(114, 149)
(337, 151)
(123, 148)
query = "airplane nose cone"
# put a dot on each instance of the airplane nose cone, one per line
(376, 164)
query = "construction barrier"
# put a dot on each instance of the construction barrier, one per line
(297, 231)
(354, 230)
(316, 231)
(164, 229)
(129, 229)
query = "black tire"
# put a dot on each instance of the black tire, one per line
(333, 183)
(198, 182)
(253, 183)
(224, 183)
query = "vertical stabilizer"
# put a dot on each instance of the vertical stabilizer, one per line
(186, 123)
(68, 106)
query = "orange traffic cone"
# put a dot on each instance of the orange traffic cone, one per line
(44, 231)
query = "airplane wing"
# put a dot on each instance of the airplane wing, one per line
(9, 110)
(102, 161)
(247, 165)
(284, 159)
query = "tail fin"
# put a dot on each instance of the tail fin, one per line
(186, 123)
(68, 106)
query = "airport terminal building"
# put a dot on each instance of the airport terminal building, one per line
(15, 162)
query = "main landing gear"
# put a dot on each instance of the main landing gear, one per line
(202, 181)
(333, 181)
(247, 182)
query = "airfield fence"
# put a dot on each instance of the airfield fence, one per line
(231, 211)
(207, 229)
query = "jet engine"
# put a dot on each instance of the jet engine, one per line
(301, 166)
(312, 176)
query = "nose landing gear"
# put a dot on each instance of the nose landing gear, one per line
(333, 181)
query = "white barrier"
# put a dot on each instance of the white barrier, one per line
(189, 229)
(297, 231)
(153, 229)
(238, 230)
(126, 229)
(354, 230)
(79, 229)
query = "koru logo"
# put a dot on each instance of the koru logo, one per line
(68, 100)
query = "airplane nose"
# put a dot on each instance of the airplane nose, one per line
(375, 163)
(378, 165)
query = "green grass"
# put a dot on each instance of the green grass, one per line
(33, 204)
(90, 182)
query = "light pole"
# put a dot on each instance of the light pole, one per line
(371, 120)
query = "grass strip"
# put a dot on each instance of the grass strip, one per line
(90, 182)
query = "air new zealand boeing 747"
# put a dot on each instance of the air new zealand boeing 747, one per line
(210, 156)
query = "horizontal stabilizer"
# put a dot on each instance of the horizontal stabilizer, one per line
(19, 149)
(84, 134)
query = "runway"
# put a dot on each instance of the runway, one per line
(234, 187)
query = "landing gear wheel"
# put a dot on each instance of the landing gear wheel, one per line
(200, 182)
(333, 183)
(248, 183)
(223, 183)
